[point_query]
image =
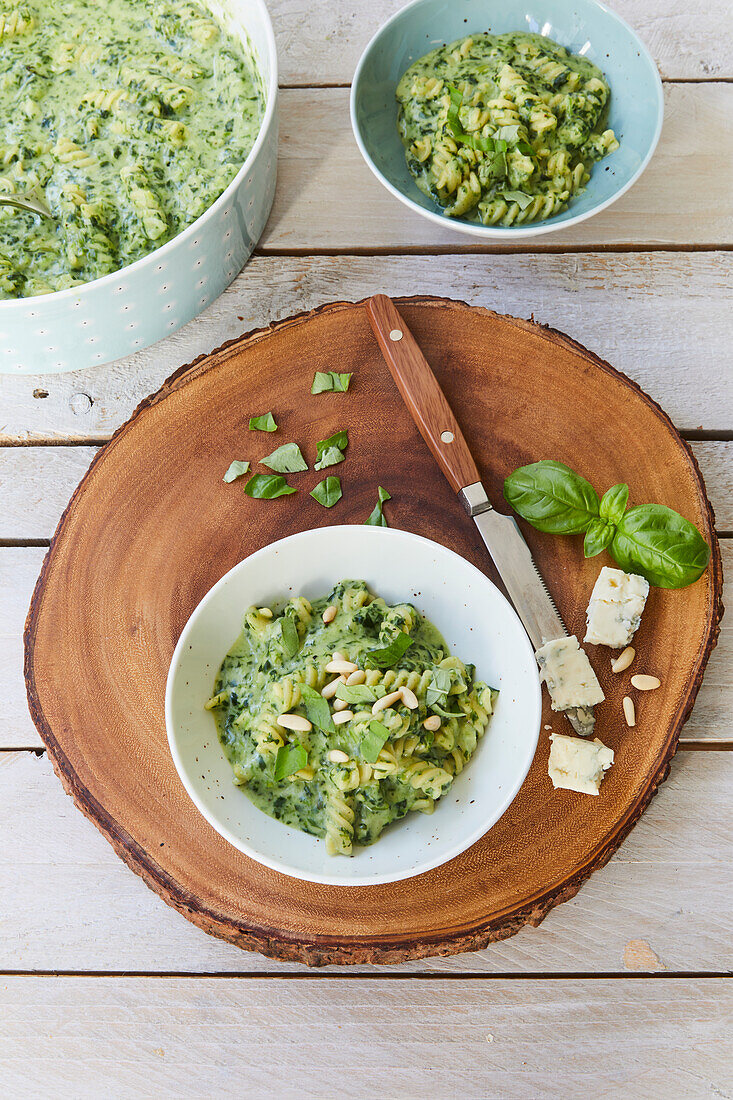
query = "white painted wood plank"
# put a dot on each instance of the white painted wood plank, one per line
(662, 903)
(320, 43)
(327, 198)
(262, 1038)
(662, 318)
(711, 719)
(37, 482)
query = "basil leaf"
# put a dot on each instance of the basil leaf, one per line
(374, 741)
(328, 492)
(356, 693)
(613, 502)
(289, 760)
(508, 133)
(289, 635)
(447, 713)
(330, 457)
(661, 545)
(317, 709)
(598, 536)
(439, 686)
(552, 497)
(264, 423)
(330, 382)
(377, 518)
(526, 148)
(330, 451)
(519, 197)
(390, 654)
(266, 486)
(236, 470)
(286, 459)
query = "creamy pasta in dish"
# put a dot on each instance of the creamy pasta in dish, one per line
(342, 715)
(503, 129)
(128, 118)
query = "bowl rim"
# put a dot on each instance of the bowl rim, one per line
(489, 231)
(75, 292)
(281, 865)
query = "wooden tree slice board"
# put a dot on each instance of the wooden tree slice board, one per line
(152, 527)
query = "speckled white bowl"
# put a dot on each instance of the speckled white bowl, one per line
(129, 309)
(478, 624)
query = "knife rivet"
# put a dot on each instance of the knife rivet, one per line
(446, 437)
(395, 334)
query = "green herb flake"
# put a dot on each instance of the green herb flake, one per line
(329, 452)
(286, 459)
(519, 197)
(374, 741)
(377, 518)
(356, 693)
(236, 470)
(264, 423)
(390, 654)
(267, 486)
(317, 709)
(439, 686)
(328, 492)
(289, 760)
(330, 382)
(289, 635)
(330, 457)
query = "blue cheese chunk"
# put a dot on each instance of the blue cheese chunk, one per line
(566, 670)
(578, 765)
(615, 608)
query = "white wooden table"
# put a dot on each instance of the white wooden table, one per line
(624, 990)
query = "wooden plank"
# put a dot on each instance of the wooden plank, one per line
(327, 198)
(37, 482)
(140, 1037)
(662, 903)
(624, 307)
(710, 720)
(322, 43)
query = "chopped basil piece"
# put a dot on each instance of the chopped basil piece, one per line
(330, 457)
(236, 470)
(289, 760)
(509, 134)
(330, 451)
(286, 459)
(330, 382)
(439, 686)
(317, 709)
(264, 423)
(373, 741)
(328, 492)
(356, 693)
(266, 486)
(390, 654)
(519, 197)
(289, 634)
(377, 518)
(447, 713)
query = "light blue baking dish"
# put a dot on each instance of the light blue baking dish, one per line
(129, 309)
(583, 26)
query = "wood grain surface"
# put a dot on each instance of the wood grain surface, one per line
(107, 623)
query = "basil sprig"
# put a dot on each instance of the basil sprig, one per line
(649, 539)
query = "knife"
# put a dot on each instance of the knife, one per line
(440, 430)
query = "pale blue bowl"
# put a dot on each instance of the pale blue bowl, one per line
(582, 26)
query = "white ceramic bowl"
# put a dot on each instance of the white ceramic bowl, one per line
(131, 308)
(478, 624)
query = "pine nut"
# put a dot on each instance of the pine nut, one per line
(340, 704)
(357, 677)
(432, 723)
(329, 614)
(294, 722)
(629, 711)
(344, 667)
(337, 655)
(336, 756)
(265, 612)
(409, 698)
(387, 701)
(330, 689)
(645, 683)
(342, 716)
(623, 660)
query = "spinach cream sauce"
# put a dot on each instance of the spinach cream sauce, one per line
(278, 666)
(128, 118)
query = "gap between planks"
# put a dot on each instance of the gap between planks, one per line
(382, 976)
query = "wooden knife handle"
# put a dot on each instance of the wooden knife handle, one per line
(421, 393)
